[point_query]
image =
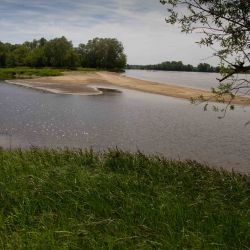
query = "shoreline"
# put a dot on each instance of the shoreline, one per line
(23, 83)
(79, 83)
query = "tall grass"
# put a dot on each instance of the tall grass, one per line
(115, 200)
(24, 72)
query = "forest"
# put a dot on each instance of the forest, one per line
(177, 66)
(100, 53)
(104, 53)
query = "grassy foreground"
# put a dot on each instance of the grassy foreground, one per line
(115, 200)
(25, 72)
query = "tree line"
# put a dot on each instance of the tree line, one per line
(176, 66)
(105, 53)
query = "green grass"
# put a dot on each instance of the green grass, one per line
(25, 72)
(82, 200)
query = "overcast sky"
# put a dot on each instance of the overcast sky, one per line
(138, 24)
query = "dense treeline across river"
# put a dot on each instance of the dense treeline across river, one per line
(177, 66)
(105, 53)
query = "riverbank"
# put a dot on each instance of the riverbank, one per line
(80, 199)
(26, 72)
(77, 82)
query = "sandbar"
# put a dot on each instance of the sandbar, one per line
(78, 82)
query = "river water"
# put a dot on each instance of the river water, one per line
(199, 80)
(130, 120)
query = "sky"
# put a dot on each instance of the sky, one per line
(139, 24)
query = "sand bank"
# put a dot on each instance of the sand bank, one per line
(77, 82)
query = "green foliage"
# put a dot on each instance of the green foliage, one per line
(205, 67)
(82, 200)
(36, 58)
(176, 66)
(59, 53)
(225, 26)
(104, 53)
(2, 55)
(23, 72)
(17, 56)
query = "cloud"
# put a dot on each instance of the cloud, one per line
(138, 24)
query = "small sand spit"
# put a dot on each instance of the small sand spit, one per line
(77, 82)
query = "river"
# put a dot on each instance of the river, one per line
(130, 120)
(199, 80)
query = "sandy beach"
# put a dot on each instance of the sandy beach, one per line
(77, 82)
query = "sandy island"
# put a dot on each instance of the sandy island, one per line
(77, 82)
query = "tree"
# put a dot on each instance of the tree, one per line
(36, 57)
(2, 55)
(175, 66)
(59, 53)
(205, 67)
(225, 26)
(72, 59)
(17, 56)
(106, 53)
(81, 51)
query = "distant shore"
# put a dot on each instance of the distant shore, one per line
(77, 82)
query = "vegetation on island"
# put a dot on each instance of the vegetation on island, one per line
(25, 72)
(176, 66)
(104, 53)
(116, 200)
